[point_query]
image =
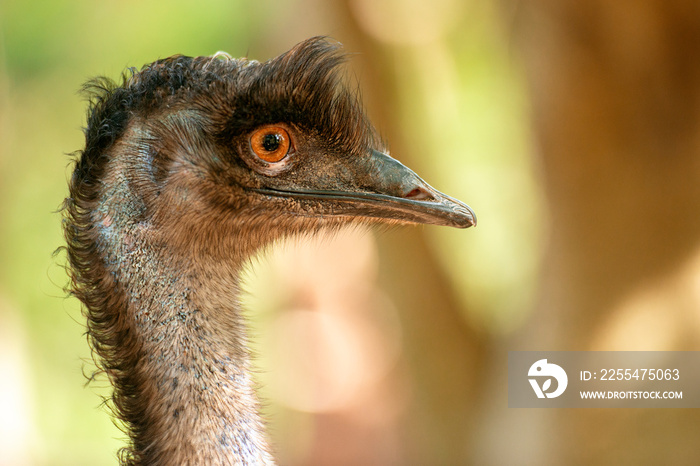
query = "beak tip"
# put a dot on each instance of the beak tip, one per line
(467, 217)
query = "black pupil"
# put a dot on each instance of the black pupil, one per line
(271, 142)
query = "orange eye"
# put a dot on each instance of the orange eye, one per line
(270, 143)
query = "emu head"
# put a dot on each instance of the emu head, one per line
(220, 156)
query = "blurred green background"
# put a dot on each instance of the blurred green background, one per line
(572, 130)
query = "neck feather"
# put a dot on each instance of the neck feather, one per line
(170, 335)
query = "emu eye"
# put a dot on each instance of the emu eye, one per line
(270, 143)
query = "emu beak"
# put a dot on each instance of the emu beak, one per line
(405, 196)
(389, 190)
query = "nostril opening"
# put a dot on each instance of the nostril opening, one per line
(418, 194)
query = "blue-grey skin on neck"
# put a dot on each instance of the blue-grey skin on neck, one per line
(200, 401)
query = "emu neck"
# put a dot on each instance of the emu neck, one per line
(185, 391)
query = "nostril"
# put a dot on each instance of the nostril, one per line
(418, 194)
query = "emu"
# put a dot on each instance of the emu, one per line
(190, 166)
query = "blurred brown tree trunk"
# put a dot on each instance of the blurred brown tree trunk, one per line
(616, 102)
(443, 357)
